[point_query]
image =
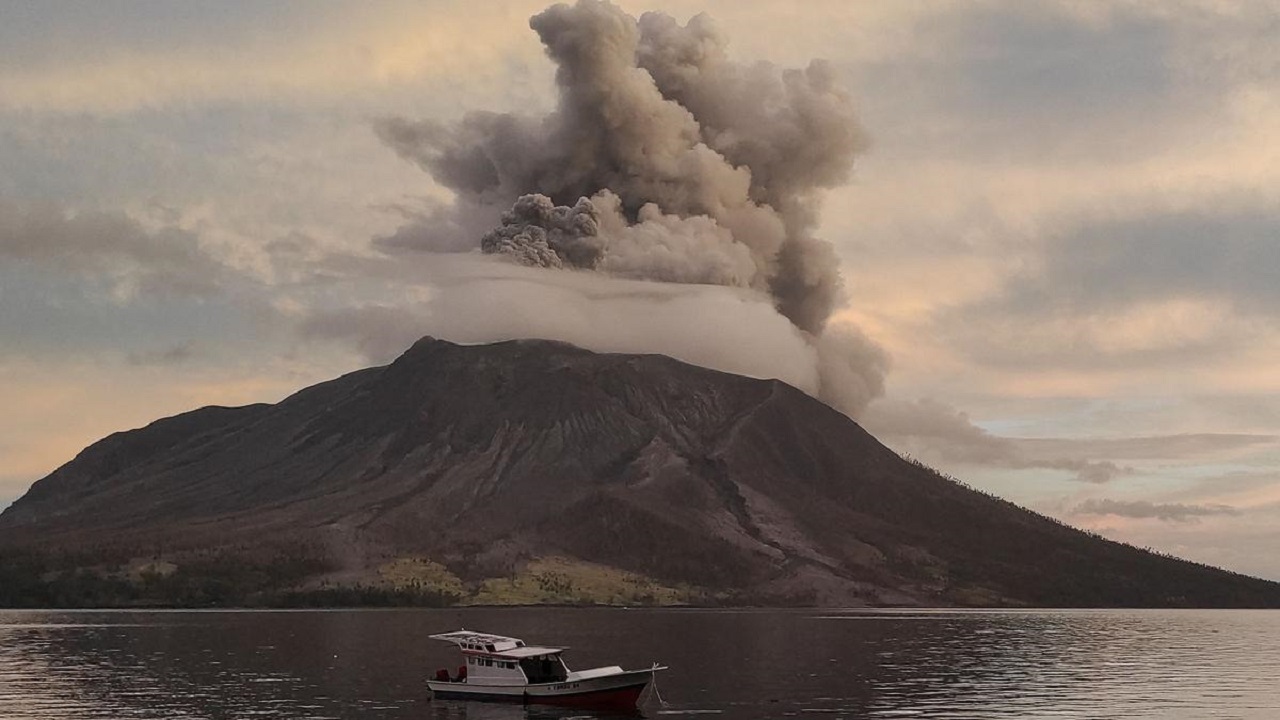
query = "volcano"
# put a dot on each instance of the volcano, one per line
(541, 468)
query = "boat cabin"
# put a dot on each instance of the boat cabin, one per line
(499, 660)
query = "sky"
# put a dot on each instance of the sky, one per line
(1060, 239)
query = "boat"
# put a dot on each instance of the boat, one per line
(503, 668)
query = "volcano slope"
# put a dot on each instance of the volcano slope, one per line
(478, 463)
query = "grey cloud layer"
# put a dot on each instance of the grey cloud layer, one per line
(1143, 101)
(1143, 509)
(1045, 82)
(1224, 258)
(1188, 446)
(109, 246)
(936, 432)
(93, 282)
(1232, 255)
(478, 298)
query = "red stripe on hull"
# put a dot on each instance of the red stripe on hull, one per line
(623, 697)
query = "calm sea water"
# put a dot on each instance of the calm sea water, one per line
(724, 664)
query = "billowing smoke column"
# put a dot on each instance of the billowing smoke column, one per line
(663, 161)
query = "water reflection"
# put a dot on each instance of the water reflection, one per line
(468, 710)
(311, 665)
(1166, 664)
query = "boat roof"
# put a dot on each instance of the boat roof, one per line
(496, 645)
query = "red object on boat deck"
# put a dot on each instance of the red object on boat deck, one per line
(462, 673)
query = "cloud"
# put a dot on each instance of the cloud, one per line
(1039, 80)
(935, 432)
(172, 355)
(1018, 134)
(110, 248)
(1243, 542)
(378, 332)
(938, 430)
(1143, 509)
(1181, 447)
(1222, 253)
(1153, 289)
(440, 227)
(123, 59)
(939, 434)
(101, 284)
(476, 299)
(1100, 181)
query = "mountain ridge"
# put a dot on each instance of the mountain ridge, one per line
(483, 459)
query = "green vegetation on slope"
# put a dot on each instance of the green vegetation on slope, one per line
(558, 580)
(228, 579)
(215, 579)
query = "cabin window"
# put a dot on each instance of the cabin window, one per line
(471, 661)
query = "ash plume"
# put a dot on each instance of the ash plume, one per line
(536, 232)
(663, 160)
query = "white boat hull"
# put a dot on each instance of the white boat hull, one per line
(620, 689)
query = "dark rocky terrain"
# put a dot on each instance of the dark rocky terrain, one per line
(458, 467)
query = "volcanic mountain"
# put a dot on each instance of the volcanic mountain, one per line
(526, 462)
